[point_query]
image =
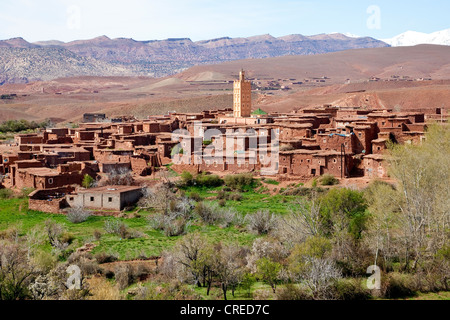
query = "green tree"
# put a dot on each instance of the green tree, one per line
(423, 176)
(88, 181)
(268, 271)
(187, 178)
(344, 210)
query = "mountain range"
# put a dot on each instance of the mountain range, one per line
(21, 61)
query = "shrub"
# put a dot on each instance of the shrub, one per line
(175, 228)
(235, 197)
(351, 289)
(195, 196)
(97, 235)
(207, 213)
(123, 276)
(11, 234)
(85, 261)
(328, 180)
(187, 178)
(398, 285)
(301, 191)
(6, 194)
(239, 181)
(113, 226)
(103, 257)
(345, 207)
(78, 215)
(208, 181)
(293, 292)
(222, 203)
(169, 224)
(25, 192)
(67, 237)
(262, 222)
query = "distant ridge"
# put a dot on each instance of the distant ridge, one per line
(160, 58)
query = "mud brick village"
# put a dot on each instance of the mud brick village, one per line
(346, 142)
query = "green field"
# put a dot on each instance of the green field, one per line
(14, 214)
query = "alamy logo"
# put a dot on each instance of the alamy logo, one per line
(374, 281)
(374, 20)
(228, 147)
(74, 280)
(74, 17)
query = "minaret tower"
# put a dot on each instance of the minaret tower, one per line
(242, 105)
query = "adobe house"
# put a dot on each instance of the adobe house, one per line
(379, 145)
(50, 200)
(375, 166)
(105, 198)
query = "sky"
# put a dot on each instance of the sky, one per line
(67, 20)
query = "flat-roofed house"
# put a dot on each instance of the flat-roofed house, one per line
(105, 198)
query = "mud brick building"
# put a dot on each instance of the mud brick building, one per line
(114, 198)
(50, 200)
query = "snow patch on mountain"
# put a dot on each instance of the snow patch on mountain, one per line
(413, 38)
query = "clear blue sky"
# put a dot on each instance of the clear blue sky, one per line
(68, 20)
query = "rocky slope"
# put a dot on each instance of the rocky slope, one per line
(154, 58)
(21, 65)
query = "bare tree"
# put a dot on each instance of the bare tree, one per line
(319, 276)
(302, 223)
(424, 186)
(228, 267)
(262, 222)
(78, 215)
(54, 231)
(159, 198)
(15, 272)
(192, 254)
(118, 177)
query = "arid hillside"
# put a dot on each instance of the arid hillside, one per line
(402, 78)
(429, 61)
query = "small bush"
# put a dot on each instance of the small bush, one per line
(6, 194)
(235, 197)
(67, 237)
(123, 275)
(239, 181)
(175, 228)
(351, 289)
(262, 222)
(208, 181)
(78, 215)
(292, 292)
(207, 213)
(85, 261)
(103, 257)
(113, 226)
(97, 235)
(195, 196)
(222, 203)
(169, 224)
(187, 178)
(328, 180)
(398, 285)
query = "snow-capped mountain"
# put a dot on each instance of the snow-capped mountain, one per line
(412, 38)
